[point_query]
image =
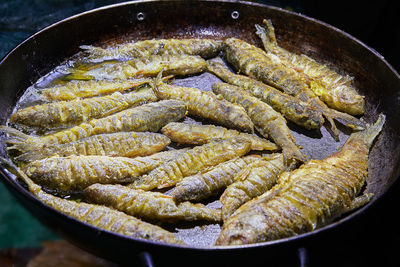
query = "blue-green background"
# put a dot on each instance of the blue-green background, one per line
(18, 20)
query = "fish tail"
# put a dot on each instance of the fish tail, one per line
(332, 129)
(20, 174)
(156, 82)
(78, 75)
(372, 131)
(266, 34)
(17, 135)
(20, 141)
(292, 157)
(348, 120)
(94, 53)
(28, 155)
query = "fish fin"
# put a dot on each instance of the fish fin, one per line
(372, 131)
(292, 157)
(17, 135)
(20, 141)
(77, 75)
(95, 54)
(33, 187)
(347, 120)
(155, 83)
(267, 34)
(332, 129)
(359, 202)
(90, 48)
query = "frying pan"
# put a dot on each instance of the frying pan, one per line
(374, 78)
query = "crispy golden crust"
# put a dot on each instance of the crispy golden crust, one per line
(290, 107)
(152, 206)
(206, 184)
(207, 105)
(192, 162)
(334, 89)
(252, 181)
(270, 69)
(67, 113)
(107, 219)
(306, 198)
(266, 120)
(74, 89)
(74, 173)
(194, 134)
(151, 66)
(148, 117)
(122, 144)
(97, 216)
(206, 48)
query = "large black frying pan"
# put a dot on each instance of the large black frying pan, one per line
(374, 78)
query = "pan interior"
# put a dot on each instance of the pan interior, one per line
(294, 32)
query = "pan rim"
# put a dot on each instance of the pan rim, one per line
(327, 227)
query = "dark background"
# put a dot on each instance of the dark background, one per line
(370, 240)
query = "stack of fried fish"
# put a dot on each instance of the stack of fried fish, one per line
(113, 131)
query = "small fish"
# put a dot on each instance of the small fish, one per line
(67, 113)
(206, 105)
(270, 69)
(334, 89)
(192, 162)
(150, 206)
(148, 117)
(82, 89)
(99, 216)
(254, 180)
(306, 198)
(208, 183)
(266, 120)
(194, 134)
(151, 66)
(206, 48)
(74, 173)
(290, 107)
(120, 144)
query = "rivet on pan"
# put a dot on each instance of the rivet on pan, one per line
(140, 16)
(235, 14)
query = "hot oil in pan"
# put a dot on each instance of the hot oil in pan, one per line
(316, 144)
